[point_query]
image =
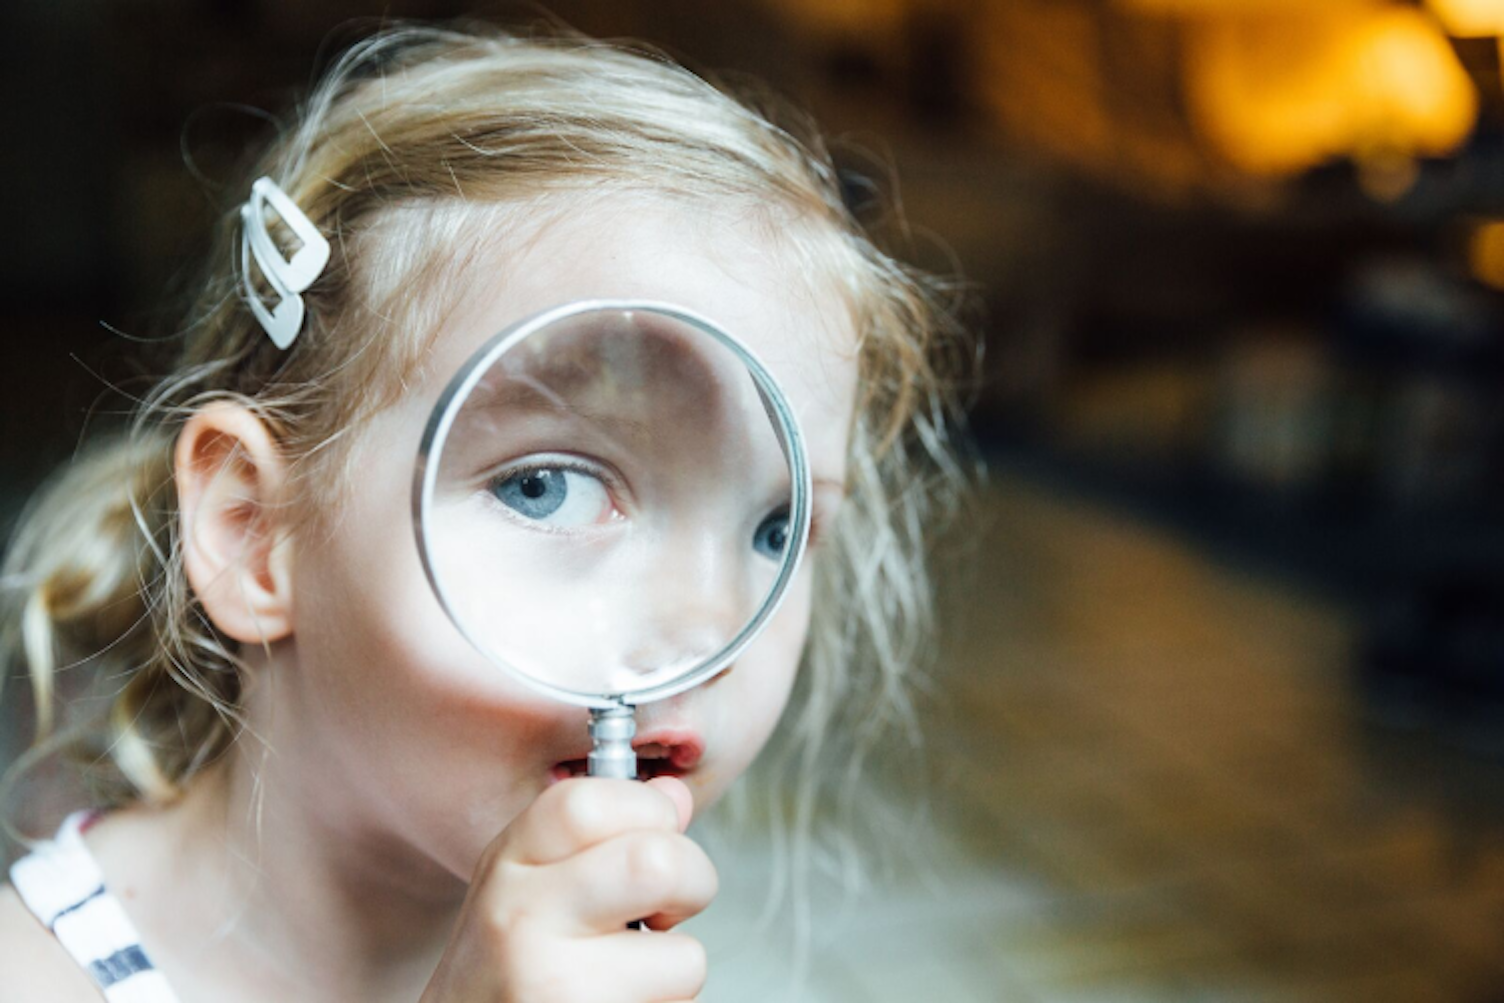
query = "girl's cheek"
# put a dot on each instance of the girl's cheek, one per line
(793, 620)
(779, 653)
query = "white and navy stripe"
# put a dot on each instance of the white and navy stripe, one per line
(62, 886)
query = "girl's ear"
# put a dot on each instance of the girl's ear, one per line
(236, 551)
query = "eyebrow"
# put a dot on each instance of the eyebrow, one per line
(565, 379)
(665, 345)
(529, 396)
(526, 396)
(563, 383)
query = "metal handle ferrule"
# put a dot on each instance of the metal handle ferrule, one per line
(611, 732)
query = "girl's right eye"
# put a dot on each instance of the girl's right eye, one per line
(555, 496)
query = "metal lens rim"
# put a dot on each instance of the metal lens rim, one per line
(791, 438)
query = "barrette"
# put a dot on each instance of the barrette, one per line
(286, 277)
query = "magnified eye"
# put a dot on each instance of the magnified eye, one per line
(557, 496)
(772, 535)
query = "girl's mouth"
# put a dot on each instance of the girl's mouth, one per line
(660, 753)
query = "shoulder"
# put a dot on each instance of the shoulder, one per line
(33, 965)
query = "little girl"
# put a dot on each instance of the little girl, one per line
(296, 796)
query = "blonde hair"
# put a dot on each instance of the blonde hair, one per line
(408, 135)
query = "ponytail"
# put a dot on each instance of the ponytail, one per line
(84, 581)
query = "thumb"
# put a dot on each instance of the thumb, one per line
(678, 793)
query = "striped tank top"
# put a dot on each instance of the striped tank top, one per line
(61, 884)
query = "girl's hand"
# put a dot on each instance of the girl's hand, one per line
(546, 918)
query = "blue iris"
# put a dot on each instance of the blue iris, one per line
(533, 494)
(772, 535)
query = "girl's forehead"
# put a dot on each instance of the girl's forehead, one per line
(743, 271)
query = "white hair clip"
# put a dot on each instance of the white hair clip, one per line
(287, 277)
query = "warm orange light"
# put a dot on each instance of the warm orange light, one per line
(1280, 93)
(1485, 254)
(1201, 8)
(1415, 93)
(1470, 18)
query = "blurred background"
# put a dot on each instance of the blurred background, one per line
(1221, 704)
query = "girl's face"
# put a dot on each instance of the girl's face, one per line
(609, 506)
(393, 728)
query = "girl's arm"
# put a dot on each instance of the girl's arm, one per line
(33, 965)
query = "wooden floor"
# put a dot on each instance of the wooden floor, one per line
(1152, 783)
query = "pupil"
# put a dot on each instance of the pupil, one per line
(534, 495)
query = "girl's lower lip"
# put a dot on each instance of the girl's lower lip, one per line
(647, 769)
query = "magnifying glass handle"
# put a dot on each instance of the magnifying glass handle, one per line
(611, 753)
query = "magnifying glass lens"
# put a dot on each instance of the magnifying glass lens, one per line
(609, 502)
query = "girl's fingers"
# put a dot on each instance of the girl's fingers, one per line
(678, 792)
(574, 815)
(662, 877)
(647, 966)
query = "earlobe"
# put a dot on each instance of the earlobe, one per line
(230, 479)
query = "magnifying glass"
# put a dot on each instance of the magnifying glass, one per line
(611, 500)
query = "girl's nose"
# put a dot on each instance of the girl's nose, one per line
(695, 601)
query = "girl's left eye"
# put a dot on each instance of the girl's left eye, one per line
(556, 496)
(772, 535)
